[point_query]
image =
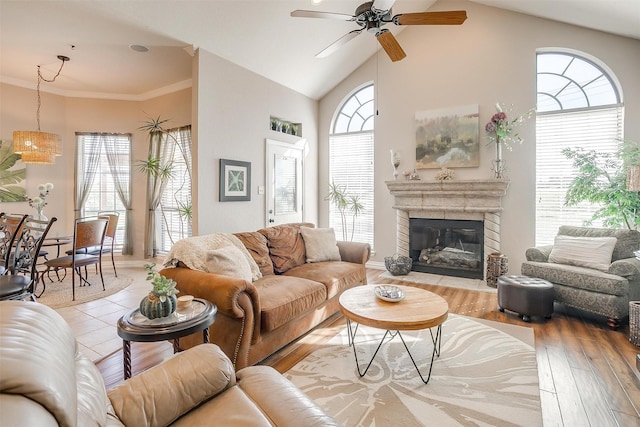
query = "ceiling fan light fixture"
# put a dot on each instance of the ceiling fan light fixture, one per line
(35, 146)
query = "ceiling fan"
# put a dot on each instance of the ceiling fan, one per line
(373, 15)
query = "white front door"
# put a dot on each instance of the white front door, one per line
(284, 190)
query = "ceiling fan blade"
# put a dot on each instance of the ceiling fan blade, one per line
(317, 14)
(338, 43)
(452, 17)
(390, 45)
(382, 4)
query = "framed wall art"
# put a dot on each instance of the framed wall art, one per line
(235, 181)
(448, 137)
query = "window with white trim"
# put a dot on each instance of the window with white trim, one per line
(174, 216)
(351, 162)
(103, 194)
(578, 106)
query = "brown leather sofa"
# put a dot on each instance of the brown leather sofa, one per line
(257, 318)
(46, 381)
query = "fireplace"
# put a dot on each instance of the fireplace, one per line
(460, 203)
(447, 247)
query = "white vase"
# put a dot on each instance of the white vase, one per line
(498, 163)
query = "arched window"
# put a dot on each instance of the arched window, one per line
(351, 164)
(579, 106)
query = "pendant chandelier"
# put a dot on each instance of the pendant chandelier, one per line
(36, 146)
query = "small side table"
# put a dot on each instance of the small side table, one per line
(133, 326)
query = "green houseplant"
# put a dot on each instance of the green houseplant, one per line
(602, 179)
(347, 204)
(161, 301)
(163, 170)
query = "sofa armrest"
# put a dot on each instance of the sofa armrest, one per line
(355, 252)
(625, 267)
(163, 393)
(223, 291)
(539, 253)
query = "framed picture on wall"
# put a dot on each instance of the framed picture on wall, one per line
(235, 181)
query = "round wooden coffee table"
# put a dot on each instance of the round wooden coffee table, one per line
(420, 309)
(133, 326)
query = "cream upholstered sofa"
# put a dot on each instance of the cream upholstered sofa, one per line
(593, 269)
(46, 381)
(295, 289)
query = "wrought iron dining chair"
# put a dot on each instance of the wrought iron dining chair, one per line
(88, 233)
(10, 227)
(21, 283)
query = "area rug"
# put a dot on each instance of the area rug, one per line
(486, 375)
(447, 281)
(58, 294)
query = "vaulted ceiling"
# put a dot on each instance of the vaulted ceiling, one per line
(259, 35)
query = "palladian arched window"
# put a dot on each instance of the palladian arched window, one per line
(579, 106)
(351, 164)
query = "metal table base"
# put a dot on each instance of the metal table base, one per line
(435, 339)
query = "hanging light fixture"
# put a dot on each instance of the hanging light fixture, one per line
(36, 146)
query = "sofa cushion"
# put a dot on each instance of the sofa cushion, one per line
(335, 275)
(283, 298)
(628, 240)
(320, 244)
(256, 244)
(286, 246)
(577, 277)
(589, 252)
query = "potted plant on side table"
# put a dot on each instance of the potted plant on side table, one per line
(161, 301)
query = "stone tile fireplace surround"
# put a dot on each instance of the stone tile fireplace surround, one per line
(479, 200)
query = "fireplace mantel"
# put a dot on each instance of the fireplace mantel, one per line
(467, 200)
(448, 196)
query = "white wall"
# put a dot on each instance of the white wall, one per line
(490, 58)
(232, 107)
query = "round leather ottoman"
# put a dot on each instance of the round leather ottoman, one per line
(527, 296)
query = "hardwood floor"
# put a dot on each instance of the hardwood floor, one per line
(587, 373)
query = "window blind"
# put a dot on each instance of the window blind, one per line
(351, 166)
(598, 129)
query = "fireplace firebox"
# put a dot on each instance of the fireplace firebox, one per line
(447, 247)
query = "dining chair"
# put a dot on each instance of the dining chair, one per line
(112, 216)
(22, 279)
(10, 227)
(87, 233)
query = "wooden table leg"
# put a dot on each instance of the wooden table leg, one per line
(126, 357)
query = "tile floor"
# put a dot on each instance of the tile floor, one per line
(94, 323)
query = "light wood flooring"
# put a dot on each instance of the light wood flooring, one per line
(587, 372)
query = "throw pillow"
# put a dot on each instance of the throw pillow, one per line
(286, 247)
(229, 261)
(590, 252)
(256, 244)
(320, 244)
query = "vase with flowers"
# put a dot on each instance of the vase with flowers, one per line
(501, 131)
(40, 201)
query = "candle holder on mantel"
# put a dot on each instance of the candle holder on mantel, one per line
(395, 161)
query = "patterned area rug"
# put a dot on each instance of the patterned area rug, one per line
(486, 375)
(58, 294)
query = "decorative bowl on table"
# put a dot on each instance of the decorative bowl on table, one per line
(389, 293)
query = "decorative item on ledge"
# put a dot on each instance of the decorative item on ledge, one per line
(445, 174)
(283, 126)
(500, 130)
(398, 265)
(395, 162)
